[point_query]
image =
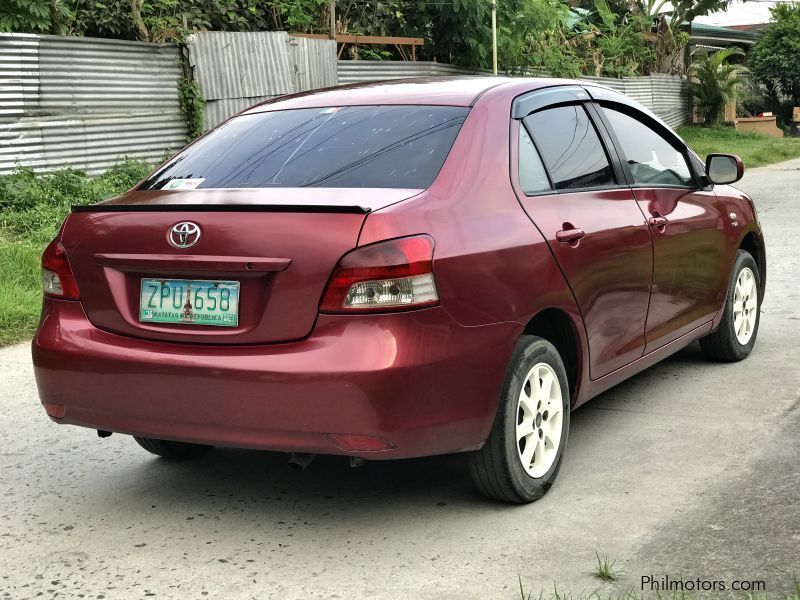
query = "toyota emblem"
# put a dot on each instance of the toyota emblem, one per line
(184, 235)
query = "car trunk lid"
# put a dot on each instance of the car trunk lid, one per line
(280, 246)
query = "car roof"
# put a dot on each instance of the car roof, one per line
(443, 91)
(437, 91)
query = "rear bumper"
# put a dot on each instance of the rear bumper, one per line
(418, 380)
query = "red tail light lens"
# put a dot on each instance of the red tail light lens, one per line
(386, 276)
(57, 278)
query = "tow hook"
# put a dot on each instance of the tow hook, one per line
(356, 461)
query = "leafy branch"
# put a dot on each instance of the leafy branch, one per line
(192, 105)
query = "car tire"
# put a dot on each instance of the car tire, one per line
(529, 419)
(736, 335)
(172, 450)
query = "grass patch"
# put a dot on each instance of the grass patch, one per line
(20, 289)
(754, 149)
(32, 208)
(604, 569)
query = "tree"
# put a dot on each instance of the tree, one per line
(455, 31)
(619, 46)
(661, 26)
(670, 23)
(534, 34)
(775, 58)
(564, 38)
(34, 16)
(714, 83)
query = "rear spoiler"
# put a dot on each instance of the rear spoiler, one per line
(304, 208)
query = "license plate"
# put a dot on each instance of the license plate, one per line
(189, 301)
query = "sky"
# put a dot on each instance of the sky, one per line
(740, 13)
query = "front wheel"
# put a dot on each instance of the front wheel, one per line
(170, 449)
(736, 335)
(522, 455)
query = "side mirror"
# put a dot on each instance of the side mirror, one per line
(724, 168)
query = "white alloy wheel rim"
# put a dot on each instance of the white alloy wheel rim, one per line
(745, 306)
(539, 420)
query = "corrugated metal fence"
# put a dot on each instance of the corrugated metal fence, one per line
(237, 70)
(85, 103)
(665, 95)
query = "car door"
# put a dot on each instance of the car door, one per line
(569, 183)
(688, 244)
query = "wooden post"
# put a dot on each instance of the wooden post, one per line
(494, 37)
(730, 111)
(332, 5)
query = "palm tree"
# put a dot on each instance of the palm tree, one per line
(714, 83)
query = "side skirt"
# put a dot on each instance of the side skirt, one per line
(593, 388)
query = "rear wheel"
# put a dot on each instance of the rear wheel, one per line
(522, 455)
(736, 335)
(170, 449)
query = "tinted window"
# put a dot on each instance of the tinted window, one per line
(357, 146)
(570, 147)
(532, 176)
(651, 158)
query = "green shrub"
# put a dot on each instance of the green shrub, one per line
(34, 205)
(751, 99)
(192, 106)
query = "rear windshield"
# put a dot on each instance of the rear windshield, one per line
(352, 146)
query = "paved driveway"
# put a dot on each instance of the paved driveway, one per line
(688, 470)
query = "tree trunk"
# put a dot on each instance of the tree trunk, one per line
(136, 15)
(669, 53)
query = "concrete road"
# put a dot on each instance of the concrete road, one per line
(689, 471)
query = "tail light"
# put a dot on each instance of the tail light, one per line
(57, 278)
(386, 276)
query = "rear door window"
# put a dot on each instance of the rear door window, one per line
(532, 175)
(570, 147)
(351, 146)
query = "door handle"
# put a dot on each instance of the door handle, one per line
(570, 235)
(658, 222)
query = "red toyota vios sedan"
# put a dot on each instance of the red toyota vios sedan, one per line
(399, 269)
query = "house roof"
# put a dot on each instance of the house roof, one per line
(714, 34)
(753, 27)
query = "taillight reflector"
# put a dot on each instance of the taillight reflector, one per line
(353, 442)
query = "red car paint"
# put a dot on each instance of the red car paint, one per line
(288, 377)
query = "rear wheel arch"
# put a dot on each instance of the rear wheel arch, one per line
(558, 328)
